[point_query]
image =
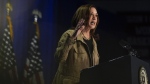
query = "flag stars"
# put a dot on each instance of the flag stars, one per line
(39, 64)
(4, 39)
(9, 65)
(37, 69)
(8, 37)
(35, 41)
(8, 49)
(6, 58)
(31, 48)
(28, 74)
(7, 54)
(35, 37)
(8, 33)
(38, 53)
(12, 59)
(5, 63)
(5, 47)
(36, 46)
(6, 42)
(32, 43)
(37, 57)
(34, 62)
(6, 30)
(30, 69)
(31, 65)
(4, 34)
(40, 60)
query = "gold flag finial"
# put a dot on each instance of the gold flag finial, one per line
(9, 8)
(36, 14)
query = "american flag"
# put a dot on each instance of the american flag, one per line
(8, 69)
(33, 73)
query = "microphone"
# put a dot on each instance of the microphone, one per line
(126, 45)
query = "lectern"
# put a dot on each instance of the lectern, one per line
(122, 70)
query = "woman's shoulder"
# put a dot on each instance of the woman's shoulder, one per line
(69, 31)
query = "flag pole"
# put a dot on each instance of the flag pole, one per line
(9, 9)
(37, 14)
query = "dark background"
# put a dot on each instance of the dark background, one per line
(119, 20)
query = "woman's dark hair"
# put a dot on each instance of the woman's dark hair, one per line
(83, 12)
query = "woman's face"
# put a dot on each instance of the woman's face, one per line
(92, 18)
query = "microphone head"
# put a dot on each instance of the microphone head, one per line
(125, 44)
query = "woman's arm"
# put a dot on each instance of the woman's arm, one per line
(64, 45)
